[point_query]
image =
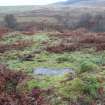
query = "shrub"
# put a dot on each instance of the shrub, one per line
(32, 84)
(10, 21)
(100, 47)
(87, 66)
(65, 58)
(41, 38)
(91, 86)
(85, 20)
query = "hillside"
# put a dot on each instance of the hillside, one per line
(55, 6)
(83, 2)
(17, 9)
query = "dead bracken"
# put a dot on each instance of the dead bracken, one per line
(9, 95)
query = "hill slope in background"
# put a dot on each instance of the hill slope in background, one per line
(17, 9)
(56, 6)
(83, 2)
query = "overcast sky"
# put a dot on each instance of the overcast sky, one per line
(26, 2)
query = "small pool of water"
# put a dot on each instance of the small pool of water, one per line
(50, 71)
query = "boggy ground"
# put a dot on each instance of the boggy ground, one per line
(79, 50)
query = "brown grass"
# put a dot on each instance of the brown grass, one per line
(77, 39)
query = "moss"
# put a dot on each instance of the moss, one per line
(40, 82)
(71, 89)
(76, 61)
(78, 87)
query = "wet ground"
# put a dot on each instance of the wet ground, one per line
(50, 71)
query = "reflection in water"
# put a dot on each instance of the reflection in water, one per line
(50, 71)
